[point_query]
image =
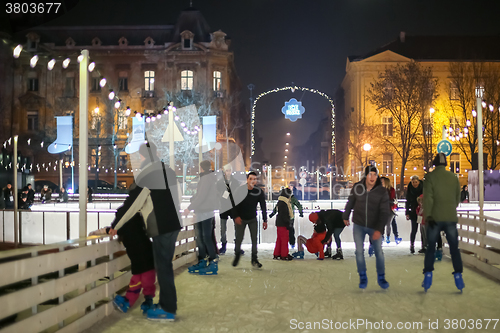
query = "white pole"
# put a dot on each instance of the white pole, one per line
(480, 156)
(83, 144)
(60, 175)
(171, 138)
(14, 190)
(317, 184)
(331, 182)
(270, 183)
(395, 183)
(200, 150)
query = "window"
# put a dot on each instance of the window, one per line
(387, 126)
(122, 120)
(69, 88)
(453, 91)
(480, 90)
(187, 43)
(455, 163)
(386, 163)
(123, 84)
(149, 80)
(217, 81)
(33, 84)
(388, 89)
(187, 80)
(96, 87)
(93, 157)
(122, 160)
(455, 125)
(32, 120)
(427, 126)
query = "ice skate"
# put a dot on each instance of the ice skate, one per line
(288, 258)
(338, 255)
(459, 281)
(298, 255)
(388, 239)
(328, 252)
(382, 282)
(196, 268)
(363, 280)
(427, 281)
(276, 257)
(211, 269)
(236, 260)
(158, 314)
(121, 304)
(146, 305)
(439, 254)
(256, 263)
(222, 249)
(412, 249)
(422, 250)
(398, 240)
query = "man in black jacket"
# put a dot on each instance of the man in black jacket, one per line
(334, 223)
(157, 197)
(245, 213)
(415, 189)
(370, 202)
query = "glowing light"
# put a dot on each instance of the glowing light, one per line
(176, 118)
(51, 64)
(431, 110)
(367, 147)
(474, 113)
(287, 133)
(91, 66)
(33, 61)
(138, 115)
(467, 122)
(483, 104)
(111, 95)
(96, 110)
(17, 51)
(80, 58)
(148, 119)
(183, 124)
(102, 83)
(127, 112)
(117, 104)
(492, 108)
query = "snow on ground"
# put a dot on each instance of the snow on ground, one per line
(282, 296)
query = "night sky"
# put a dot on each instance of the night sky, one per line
(277, 42)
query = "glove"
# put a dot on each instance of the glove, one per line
(430, 222)
(301, 215)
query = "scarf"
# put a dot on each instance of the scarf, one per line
(287, 201)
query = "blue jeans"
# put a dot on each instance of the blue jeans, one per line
(163, 250)
(336, 235)
(359, 233)
(204, 241)
(433, 232)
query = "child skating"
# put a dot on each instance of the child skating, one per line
(313, 244)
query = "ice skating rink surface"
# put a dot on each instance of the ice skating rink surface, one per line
(323, 296)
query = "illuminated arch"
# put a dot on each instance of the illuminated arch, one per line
(293, 90)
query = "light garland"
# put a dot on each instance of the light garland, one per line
(293, 90)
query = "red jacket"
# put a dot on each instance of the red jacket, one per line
(392, 197)
(314, 244)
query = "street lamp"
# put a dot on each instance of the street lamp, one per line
(367, 147)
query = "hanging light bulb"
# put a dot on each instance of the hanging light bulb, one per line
(158, 116)
(117, 103)
(165, 111)
(66, 62)
(96, 110)
(474, 113)
(185, 129)
(466, 130)
(91, 66)
(492, 108)
(127, 112)
(176, 118)
(148, 119)
(80, 58)
(174, 108)
(102, 83)
(51, 64)
(153, 118)
(467, 122)
(460, 135)
(138, 115)
(183, 124)
(17, 51)
(33, 61)
(111, 95)
(483, 104)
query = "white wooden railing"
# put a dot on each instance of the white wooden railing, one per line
(98, 268)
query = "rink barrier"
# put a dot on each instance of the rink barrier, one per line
(479, 241)
(99, 268)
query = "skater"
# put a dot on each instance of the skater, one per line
(295, 204)
(22, 202)
(31, 195)
(464, 195)
(245, 213)
(63, 195)
(157, 197)
(415, 189)
(225, 187)
(441, 199)
(46, 194)
(132, 234)
(369, 202)
(313, 244)
(421, 221)
(8, 196)
(394, 206)
(334, 223)
(283, 223)
(203, 203)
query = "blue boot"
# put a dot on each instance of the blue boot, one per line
(211, 269)
(146, 305)
(382, 282)
(298, 255)
(363, 280)
(427, 281)
(196, 268)
(398, 240)
(121, 303)
(158, 314)
(371, 250)
(439, 255)
(388, 240)
(459, 281)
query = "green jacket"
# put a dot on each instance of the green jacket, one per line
(441, 195)
(294, 202)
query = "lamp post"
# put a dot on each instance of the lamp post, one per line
(367, 147)
(98, 149)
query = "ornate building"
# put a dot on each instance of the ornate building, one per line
(145, 66)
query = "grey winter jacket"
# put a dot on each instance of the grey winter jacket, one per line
(371, 209)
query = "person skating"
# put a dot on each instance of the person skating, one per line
(394, 206)
(464, 195)
(415, 189)
(63, 195)
(46, 194)
(441, 199)
(369, 202)
(334, 223)
(31, 195)
(245, 213)
(8, 196)
(283, 222)
(313, 244)
(203, 204)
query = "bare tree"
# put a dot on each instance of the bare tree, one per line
(404, 92)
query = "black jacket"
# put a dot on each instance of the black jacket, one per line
(411, 199)
(247, 209)
(464, 195)
(332, 219)
(137, 243)
(371, 209)
(31, 196)
(283, 218)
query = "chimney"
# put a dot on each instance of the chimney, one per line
(402, 36)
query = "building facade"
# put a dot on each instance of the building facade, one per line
(145, 66)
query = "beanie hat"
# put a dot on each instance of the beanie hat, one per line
(313, 217)
(370, 168)
(440, 159)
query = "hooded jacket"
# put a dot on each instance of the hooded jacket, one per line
(371, 208)
(441, 195)
(205, 199)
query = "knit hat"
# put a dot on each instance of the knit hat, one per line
(440, 159)
(370, 168)
(285, 192)
(313, 217)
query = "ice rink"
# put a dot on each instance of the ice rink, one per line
(294, 296)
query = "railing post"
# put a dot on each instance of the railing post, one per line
(34, 281)
(68, 226)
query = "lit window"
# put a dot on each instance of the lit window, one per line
(217, 81)
(387, 126)
(455, 163)
(480, 90)
(149, 80)
(122, 120)
(453, 91)
(427, 126)
(187, 80)
(387, 163)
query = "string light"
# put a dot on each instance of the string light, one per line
(17, 51)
